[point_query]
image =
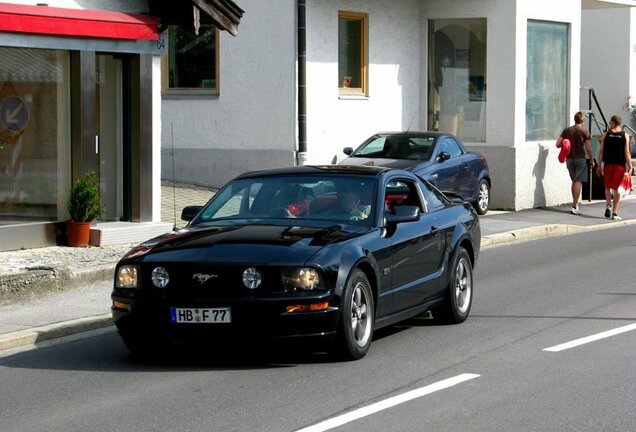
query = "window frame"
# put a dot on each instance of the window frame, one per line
(567, 46)
(364, 57)
(168, 91)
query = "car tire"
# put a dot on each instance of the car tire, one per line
(357, 317)
(483, 198)
(459, 295)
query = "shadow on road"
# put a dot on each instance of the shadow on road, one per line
(103, 350)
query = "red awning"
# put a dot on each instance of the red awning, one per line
(77, 22)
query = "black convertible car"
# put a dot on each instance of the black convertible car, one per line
(325, 252)
(438, 157)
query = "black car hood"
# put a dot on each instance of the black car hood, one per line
(405, 164)
(249, 243)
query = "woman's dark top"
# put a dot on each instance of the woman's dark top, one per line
(614, 148)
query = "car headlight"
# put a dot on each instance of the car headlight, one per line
(127, 276)
(301, 279)
(160, 277)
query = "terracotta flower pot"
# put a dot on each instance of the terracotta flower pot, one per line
(78, 233)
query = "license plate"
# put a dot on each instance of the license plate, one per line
(200, 316)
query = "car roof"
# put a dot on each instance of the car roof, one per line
(319, 170)
(431, 134)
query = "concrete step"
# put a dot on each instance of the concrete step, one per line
(114, 233)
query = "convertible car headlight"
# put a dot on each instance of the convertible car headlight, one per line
(301, 279)
(126, 276)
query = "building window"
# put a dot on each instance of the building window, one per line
(457, 77)
(34, 134)
(352, 49)
(547, 80)
(192, 61)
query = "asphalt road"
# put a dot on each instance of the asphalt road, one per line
(491, 373)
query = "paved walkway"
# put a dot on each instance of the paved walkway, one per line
(72, 285)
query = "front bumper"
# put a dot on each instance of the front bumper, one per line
(252, 317)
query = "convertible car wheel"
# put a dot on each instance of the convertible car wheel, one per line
(459, 296)
(357, 318)
(483, 198)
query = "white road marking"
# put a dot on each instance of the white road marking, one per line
(592, 338)
(387, 403)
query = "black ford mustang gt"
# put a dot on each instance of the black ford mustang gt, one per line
(326, 252)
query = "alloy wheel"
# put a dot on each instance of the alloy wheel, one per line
(360, 322)
(463, 285)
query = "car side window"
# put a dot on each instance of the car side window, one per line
(402, 192)
(450, 146)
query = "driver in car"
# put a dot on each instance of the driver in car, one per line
(348, 205)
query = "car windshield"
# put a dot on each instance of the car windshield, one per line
(396, 146)
(337, 198)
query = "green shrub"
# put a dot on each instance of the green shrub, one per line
(84, 204)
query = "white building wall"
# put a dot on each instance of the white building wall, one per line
(524, 174)
(502, 126)
(632, 65)
(540, 178)
(251, 124)
(395, 47)
(608, 59)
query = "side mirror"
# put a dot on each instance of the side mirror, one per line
(403, 213)
(347, 151)
(189, 212)
(443, 156)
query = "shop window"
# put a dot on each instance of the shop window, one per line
(352, 57)
(34, 134)
(457, 83)
(192, 61)
(547, 80)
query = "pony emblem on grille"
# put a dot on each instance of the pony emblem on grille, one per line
(202, 278)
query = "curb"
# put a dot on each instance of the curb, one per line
(41, 280)
(53, 331)
(543, 231)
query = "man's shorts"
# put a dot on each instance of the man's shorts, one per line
(613, 175)
(577, 169)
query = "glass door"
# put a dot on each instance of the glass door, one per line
(109, 135)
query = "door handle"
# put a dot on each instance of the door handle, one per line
(434, 176)
(434, 230)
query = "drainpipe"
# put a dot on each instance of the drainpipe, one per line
(301, 154)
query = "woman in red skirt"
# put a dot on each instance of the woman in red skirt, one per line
(617, 160)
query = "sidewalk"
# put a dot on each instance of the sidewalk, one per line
(57, 291)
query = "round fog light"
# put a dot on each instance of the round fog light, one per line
(160, 277)
(252, 278)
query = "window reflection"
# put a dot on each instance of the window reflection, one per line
(547, 80)
(457, 84)
(351, 52)
(33, 113)
(192, 58)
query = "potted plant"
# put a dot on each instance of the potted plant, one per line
(83, 205)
